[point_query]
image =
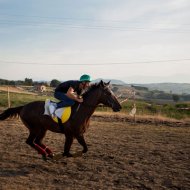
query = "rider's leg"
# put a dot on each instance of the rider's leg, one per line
(65, 100)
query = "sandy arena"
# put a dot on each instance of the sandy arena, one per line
(121, 156)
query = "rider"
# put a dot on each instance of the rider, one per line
(69, 91)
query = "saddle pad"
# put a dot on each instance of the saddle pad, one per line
(63, 114)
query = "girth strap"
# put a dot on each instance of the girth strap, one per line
(61, 126)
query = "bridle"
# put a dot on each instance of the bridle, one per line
(94, 106)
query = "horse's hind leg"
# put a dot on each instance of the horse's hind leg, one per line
(82, 142)
(38, 141)
(30, 141)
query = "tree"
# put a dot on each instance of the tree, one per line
(28, 82)
(175, 97)
(54, 83)
(12, 82)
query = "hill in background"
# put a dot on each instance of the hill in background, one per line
(173, 88)
(112, 81)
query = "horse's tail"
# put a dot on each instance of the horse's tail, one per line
(11, 112)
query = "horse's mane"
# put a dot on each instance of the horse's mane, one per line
(90, 89)
(94, 86)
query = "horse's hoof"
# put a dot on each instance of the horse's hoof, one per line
(44, 158)
(85, 151)
(51, 155)
(67, 155)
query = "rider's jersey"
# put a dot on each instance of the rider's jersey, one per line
(63, 87)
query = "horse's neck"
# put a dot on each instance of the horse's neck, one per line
(92, 99)
(85, 110)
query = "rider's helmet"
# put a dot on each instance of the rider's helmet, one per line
(85, 78)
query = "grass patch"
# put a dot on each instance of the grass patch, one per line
(176, 111)
(20, 99)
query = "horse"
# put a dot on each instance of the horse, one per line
(32, 116)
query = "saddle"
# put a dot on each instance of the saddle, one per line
(60, 114)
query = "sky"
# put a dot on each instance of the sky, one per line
(136, 41)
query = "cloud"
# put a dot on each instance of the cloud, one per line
(147, 14)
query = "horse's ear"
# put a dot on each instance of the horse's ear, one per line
(108, 83)
(101, 83)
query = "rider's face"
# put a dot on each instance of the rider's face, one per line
(85, 85)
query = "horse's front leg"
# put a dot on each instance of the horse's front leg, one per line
(68, 143)
(81, 141)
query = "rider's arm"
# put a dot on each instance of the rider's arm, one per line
(71, 94)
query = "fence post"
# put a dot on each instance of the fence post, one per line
(134, 104)
(8, 98)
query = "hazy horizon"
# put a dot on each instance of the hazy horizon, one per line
(130, 81)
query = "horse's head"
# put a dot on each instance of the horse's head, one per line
(107, 97)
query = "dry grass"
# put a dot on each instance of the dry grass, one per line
(146, 119)
(15, 90)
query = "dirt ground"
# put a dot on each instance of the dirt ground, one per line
(121, 155)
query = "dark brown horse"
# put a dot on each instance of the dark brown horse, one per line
(32, 115)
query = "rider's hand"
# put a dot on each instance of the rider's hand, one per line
(80, 100)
